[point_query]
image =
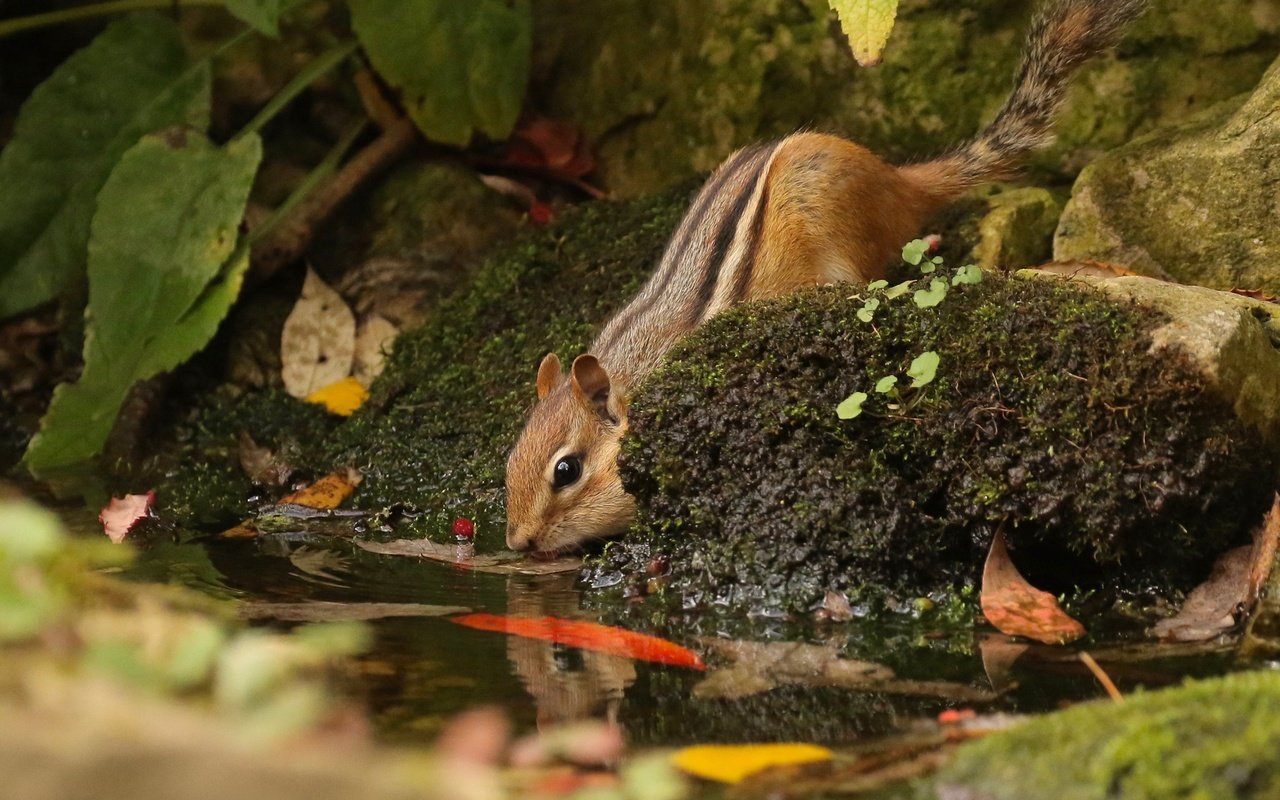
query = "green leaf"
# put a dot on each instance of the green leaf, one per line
(914, 251)
(898, 290)
(871, 304)
(163, 270)
(263, 15)
(886, 384)
(851, 406)
(923, 369)
(867, 23)
(967, 274)
(880, 284)
(460, 66)
(928, 298)
(70, 133)
(866, 314)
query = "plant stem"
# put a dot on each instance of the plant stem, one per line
(313, 70)
(18, 24)
(318, 175)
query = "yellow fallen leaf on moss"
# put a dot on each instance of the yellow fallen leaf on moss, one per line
(341, 397)
(867, 23)
(731, 763)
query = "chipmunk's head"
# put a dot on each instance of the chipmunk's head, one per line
(562, 477)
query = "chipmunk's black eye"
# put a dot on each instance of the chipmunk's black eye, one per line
(568, 470)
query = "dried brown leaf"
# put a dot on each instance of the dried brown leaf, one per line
(1016, 607)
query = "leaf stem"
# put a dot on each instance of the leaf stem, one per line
(318, 175)
(313, 70)
(19, 24)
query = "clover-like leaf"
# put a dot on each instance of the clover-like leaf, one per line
(851, 406)
(923, 369)
(897, 290)
(886, 384)
(967, 274)
(914, 251)
(936, 293)
(866, 314)
(880, 284)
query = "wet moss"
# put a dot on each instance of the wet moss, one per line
(1047, 418)
(202, 483)
(435, 431)
(1214, 738)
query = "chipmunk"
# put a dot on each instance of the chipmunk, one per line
(807, 210)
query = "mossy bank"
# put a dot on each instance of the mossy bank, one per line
(1047, 418)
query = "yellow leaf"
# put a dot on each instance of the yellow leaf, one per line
(730, 763)
(867, 23)
(342, 397)
(328, 492)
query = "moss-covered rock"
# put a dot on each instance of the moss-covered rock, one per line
(1196, 202)
(1233, 341)
(436, 429)
(1048, 417)
(668, 89)
(1215, 738)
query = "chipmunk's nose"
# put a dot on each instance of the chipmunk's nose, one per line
(519, 537)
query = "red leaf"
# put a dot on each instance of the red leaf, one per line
(122, 513)
(588, 636)
(555, 145)
(1016, 607)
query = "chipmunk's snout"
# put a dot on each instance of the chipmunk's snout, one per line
(519, 537)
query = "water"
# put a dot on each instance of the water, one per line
(780, 680)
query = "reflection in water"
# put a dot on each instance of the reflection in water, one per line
(567, 684)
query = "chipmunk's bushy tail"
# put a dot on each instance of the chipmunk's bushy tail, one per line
(1064, 35)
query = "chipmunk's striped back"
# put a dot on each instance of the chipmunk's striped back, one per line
(809, 209)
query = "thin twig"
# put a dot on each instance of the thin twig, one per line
(1102, 676)
(291, 238)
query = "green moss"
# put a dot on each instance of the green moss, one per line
(1047, 418)
(435, 432)
(1207, 739)
(203, 483)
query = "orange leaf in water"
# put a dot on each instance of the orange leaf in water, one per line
(588, 636)
(328, 492)
(1016, 607)
(122, 513)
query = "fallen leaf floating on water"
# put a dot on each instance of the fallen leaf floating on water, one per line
(1016, 607)
(328, 492)
(1231, 590)
(120, 515)
(731, 763)
(317, 345)
(587, 636)
(341, 398)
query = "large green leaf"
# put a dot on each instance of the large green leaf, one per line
(132, 79)
(461, 65)
(164, 267)
(263, 15)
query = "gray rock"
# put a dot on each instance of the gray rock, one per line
(1234, 341)
(1196, 202)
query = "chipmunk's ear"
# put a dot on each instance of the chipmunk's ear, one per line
(591, 386)
(548, 374)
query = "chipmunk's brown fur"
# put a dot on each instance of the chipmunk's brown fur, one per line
(809, 209)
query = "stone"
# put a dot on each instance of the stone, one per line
(1017, 231)
(1232, 340)
(1195, 202)
(666, 89)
